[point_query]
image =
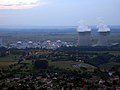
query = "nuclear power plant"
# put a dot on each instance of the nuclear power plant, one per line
(84, 35)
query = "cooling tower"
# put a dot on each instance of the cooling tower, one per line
(84, 38)
(104, 32)
(84, 35)
(103, 39)
(1, 42)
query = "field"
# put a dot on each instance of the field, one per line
(111, 52)
(109, 65)
(64, 34)
(67, 65)
(63, 64)
(53, 37)
(9, 58)
(6, 63)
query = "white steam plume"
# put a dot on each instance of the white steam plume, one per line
(102, 27)
(83, 27)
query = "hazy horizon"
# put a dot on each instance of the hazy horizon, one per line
(48, 27)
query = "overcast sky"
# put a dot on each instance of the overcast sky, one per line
(58, 12)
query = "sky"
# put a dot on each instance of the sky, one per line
(58, 12)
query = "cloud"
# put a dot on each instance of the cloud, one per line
(19, 4)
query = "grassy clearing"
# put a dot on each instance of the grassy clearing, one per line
(6, 63)
(63, 64)
(28, 61)
(9, 58)
(108, 65)
(59, 64)
(115, 52)
(111, 52)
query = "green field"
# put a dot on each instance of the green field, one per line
(11, 37)
(109, 65)
(63, 64)
(9, 58)
(6, 63)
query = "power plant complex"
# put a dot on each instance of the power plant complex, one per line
(85, 38)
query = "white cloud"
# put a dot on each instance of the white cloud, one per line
(19, 4)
